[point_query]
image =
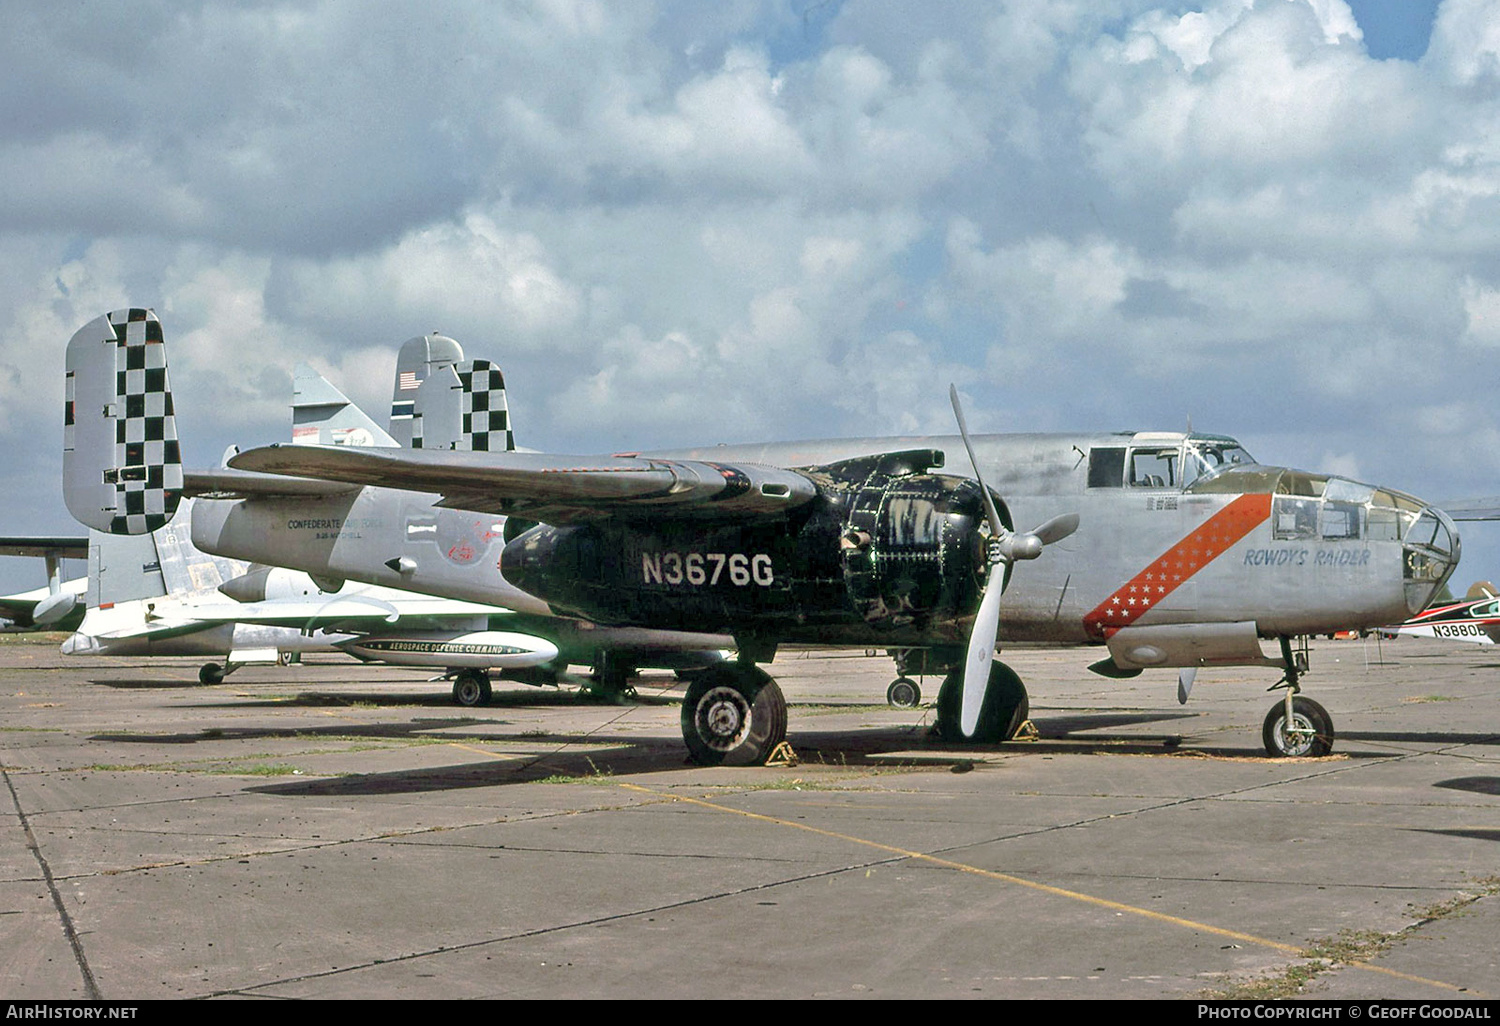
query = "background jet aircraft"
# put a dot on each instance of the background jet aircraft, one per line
(158, 595)
(58, 605)
(1171, 550)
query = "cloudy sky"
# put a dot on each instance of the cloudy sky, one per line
(687, 222)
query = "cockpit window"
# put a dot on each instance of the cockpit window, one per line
(1205, 457)
(1154, 468)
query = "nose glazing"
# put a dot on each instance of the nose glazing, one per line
(1430, 551)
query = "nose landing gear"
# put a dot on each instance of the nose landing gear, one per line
(1296, 726)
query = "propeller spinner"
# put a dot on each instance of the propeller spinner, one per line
(1004, 548)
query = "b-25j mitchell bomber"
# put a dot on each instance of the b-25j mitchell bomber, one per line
(1169, 550)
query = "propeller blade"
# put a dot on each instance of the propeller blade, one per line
(997, 529)
(981, 650)
(1057, 528)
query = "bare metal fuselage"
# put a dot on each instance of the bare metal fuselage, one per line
(1265, 551)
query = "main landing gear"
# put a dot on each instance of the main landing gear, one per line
(1005, 709)
(734, 715)
(1296, 726)
(471, 688)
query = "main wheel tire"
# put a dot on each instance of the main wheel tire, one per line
(471, 689)
(904, 693)
(1310, 732)
(210, 673)
(733, 716)
(1006, 707)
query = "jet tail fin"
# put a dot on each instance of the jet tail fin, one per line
(419, 358)
(123, 569)
(122, 466)
(322, 415)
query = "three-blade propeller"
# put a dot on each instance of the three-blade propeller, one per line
(1004, 548)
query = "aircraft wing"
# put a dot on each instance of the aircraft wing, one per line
(1487, 508)
(223, 483)
(356, 612)
(550, 488)
(42, 547)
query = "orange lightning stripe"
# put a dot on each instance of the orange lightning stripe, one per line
(1165, 574)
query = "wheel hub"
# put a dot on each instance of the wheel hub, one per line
(1297, 735)
(724, 718)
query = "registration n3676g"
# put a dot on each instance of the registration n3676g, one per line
(707, 568)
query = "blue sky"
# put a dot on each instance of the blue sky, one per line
(1395, 28)
(1276, 217)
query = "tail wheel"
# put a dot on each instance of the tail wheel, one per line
(733, 716)
(1006, 706)
(471, 689)
(1309, 733)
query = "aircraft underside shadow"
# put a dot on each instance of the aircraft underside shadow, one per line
(1423, 737)
(1478, 834)
(1474, 785)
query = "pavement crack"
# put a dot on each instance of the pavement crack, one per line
(91, 988)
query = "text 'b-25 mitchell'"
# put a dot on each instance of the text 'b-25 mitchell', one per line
(1171, 550)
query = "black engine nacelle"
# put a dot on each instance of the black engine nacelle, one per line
(886, 553)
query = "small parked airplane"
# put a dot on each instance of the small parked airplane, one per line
(1475, 619)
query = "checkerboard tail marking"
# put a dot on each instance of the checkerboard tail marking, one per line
(486, 420)
(122, 466)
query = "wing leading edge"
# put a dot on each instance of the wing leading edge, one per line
(553, 489)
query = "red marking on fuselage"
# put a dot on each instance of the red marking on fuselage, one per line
(1167, 572)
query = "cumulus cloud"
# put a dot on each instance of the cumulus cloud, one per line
(675, 222)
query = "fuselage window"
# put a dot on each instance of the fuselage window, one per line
(1106, 468)
(1342, 520)
(1295, 518)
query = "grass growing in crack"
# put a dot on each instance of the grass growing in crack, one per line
(1349, 947)
(1344, 948)
(1483, 887)
(264, 769)
(594, 776)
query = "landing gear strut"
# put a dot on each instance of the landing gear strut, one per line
(1006, 706)
(734, 715)
(911, 663)
(1296, 726)
(611, 681)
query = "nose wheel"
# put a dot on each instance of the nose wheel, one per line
(904, 693)
(1298, 727)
